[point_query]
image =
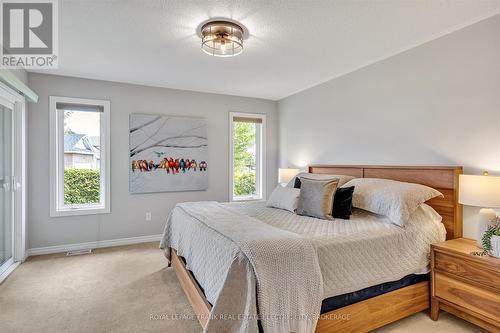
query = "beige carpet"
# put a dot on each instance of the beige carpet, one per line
(123, 289)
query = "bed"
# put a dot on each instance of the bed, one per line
(379, 297)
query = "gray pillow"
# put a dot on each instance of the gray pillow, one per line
(316, 198)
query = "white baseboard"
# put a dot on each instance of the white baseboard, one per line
(92, 245)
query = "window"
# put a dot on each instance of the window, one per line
(247, 156)
(79, 156)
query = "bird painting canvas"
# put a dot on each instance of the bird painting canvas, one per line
(167, 153)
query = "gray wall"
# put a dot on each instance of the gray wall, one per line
(127, 218)
(436, 104)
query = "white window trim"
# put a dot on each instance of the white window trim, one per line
(57, 159)
(260, 160)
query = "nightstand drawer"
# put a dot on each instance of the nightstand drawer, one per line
(467, 269)
(479, 300)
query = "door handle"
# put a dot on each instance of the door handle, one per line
(15, 185)
(5, 185)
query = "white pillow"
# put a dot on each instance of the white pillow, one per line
(284, 198)
(391, 198)
(321, 176)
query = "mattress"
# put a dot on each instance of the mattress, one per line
(366, 250)
(339, 301)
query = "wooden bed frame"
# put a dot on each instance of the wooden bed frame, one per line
(381, 310)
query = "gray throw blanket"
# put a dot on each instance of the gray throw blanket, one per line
(282, 265)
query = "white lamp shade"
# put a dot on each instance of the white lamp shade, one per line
(479, 191)
(285, 175)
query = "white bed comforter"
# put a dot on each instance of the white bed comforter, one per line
(351, 254)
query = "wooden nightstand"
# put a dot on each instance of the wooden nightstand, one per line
(465, 285)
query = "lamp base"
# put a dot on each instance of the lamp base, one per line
(485, 217)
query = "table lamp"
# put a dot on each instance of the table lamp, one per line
(480, 191)
(286, 174)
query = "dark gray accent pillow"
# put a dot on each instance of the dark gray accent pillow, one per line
(342, 203)
(316, 197)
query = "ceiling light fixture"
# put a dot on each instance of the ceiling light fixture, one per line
(222, 38)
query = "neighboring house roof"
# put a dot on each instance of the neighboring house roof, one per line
(95, 141)
(81, 143)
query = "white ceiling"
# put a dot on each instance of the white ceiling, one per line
(293, 45)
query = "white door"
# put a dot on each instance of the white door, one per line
(12, 178)
(6, 189)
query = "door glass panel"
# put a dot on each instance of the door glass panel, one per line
(5, 184)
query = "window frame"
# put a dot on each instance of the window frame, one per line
(56, 158)
(260, 157)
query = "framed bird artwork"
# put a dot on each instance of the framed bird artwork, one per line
(167, 153)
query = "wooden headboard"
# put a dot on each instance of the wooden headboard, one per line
(442, 178)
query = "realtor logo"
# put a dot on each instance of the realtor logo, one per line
(29, 34)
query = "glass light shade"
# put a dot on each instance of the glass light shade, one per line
(222, 39)
(285, 175)
(479, 191)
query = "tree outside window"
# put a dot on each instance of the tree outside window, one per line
(244, 159)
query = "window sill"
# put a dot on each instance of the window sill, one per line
(80, 211)
(243, 199)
